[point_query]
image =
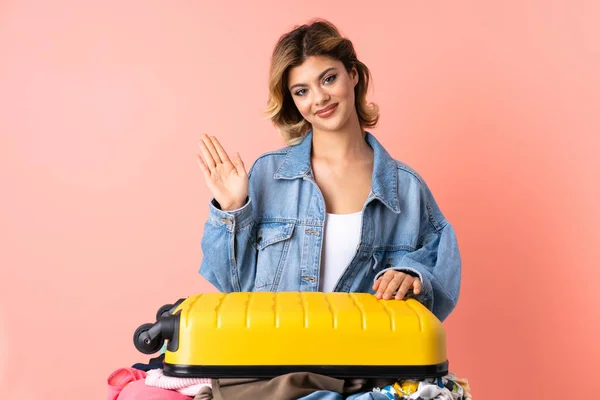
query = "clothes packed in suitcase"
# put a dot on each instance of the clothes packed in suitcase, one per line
(349, 337)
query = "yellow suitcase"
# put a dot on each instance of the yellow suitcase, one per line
(265, 334)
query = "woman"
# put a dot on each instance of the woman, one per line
(333, 211)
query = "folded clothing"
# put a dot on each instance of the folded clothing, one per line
(138, 390)
(186, 386)
(290, 386)
(121, 378)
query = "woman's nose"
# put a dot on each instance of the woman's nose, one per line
(321, 97)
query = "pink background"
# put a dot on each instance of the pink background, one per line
(496, 104)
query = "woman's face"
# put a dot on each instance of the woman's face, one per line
(323, 92)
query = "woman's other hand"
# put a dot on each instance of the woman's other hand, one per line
(392, 281)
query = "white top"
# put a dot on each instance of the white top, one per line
(340, 240)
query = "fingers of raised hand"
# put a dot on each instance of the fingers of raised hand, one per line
(207, 157)
(239, 164)
(220, 150)
(211, 148)
(202, 165)
(212, 152)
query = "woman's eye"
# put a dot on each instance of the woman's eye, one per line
(299, 92)
(330, 78)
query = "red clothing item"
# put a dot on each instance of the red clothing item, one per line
(138, 390)
(121, 378)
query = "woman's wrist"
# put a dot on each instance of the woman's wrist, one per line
(234, 206)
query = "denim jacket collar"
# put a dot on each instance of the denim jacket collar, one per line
(385, 169)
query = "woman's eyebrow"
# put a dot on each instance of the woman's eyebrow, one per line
(321, 75)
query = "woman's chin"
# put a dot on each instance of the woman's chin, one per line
(332, 125)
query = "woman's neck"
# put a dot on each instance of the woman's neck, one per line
(346, 144)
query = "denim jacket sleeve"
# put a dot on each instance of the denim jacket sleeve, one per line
(436, 261)
(226, 245)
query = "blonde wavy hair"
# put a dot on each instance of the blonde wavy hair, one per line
(317, 38)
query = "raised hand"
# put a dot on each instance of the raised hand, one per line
(227, 179)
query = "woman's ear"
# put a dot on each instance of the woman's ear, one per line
(354, 76)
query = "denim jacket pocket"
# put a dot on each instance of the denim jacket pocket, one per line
(272, 242)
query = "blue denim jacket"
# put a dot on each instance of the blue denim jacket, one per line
(273, 243)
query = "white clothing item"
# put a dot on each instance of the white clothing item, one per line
(428, 391)
(340, 241)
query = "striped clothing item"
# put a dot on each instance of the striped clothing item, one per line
(186, 386)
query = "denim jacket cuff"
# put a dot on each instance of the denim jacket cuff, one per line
(425, 296)
(231, 219)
